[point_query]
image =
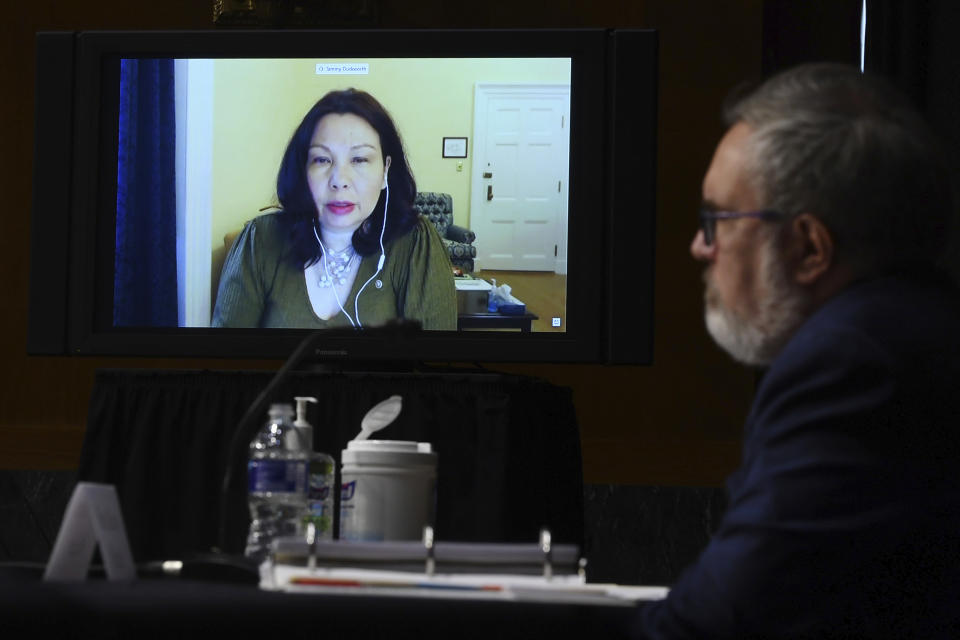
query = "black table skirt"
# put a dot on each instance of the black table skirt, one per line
(508, 449)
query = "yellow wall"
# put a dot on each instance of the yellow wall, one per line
(259, 103)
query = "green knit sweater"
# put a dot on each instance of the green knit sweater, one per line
(259, 288)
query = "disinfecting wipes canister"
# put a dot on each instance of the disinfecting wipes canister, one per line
(388, 489)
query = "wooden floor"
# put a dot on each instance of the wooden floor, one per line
(544, 293)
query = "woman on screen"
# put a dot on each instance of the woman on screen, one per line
(345, 247)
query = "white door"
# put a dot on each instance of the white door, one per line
(519, 183)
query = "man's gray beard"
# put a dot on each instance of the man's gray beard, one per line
(757, 341)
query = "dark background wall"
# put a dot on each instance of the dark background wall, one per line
(676, 422)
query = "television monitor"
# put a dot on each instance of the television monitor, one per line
(154, 150)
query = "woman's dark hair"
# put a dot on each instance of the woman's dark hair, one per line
(293, 191)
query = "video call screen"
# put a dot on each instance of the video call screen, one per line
(200, 142)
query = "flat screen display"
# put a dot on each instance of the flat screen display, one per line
(496, 187)
(229, 178)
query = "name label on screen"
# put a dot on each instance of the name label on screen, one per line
(343, 68)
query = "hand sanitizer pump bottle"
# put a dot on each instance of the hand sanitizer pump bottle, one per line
(320, 474)
(277, 482)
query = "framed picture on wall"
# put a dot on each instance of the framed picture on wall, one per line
(454, 147)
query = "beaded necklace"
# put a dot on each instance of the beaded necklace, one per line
(336, 267)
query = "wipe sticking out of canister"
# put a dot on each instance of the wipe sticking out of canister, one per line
(388, 489)
(380, 416)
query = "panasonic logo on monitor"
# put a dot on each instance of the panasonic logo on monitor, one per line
(330, 352)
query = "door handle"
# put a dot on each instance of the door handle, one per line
(489, 192)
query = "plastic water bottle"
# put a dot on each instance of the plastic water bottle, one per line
(277, 482)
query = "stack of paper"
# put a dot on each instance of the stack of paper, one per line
(460, 571)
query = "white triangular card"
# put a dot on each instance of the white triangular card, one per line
(92, 517)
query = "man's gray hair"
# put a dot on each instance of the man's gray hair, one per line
(849, 148)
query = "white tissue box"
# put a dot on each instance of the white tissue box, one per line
(472, 294)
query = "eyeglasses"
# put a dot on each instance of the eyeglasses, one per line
(709, 217)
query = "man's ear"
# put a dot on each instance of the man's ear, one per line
(813, 248)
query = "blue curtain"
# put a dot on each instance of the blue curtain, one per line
(145, 262)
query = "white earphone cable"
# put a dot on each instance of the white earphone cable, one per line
(383, 254)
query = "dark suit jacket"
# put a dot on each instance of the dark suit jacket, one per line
(844, 517)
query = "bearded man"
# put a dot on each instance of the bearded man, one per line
(825, 210)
